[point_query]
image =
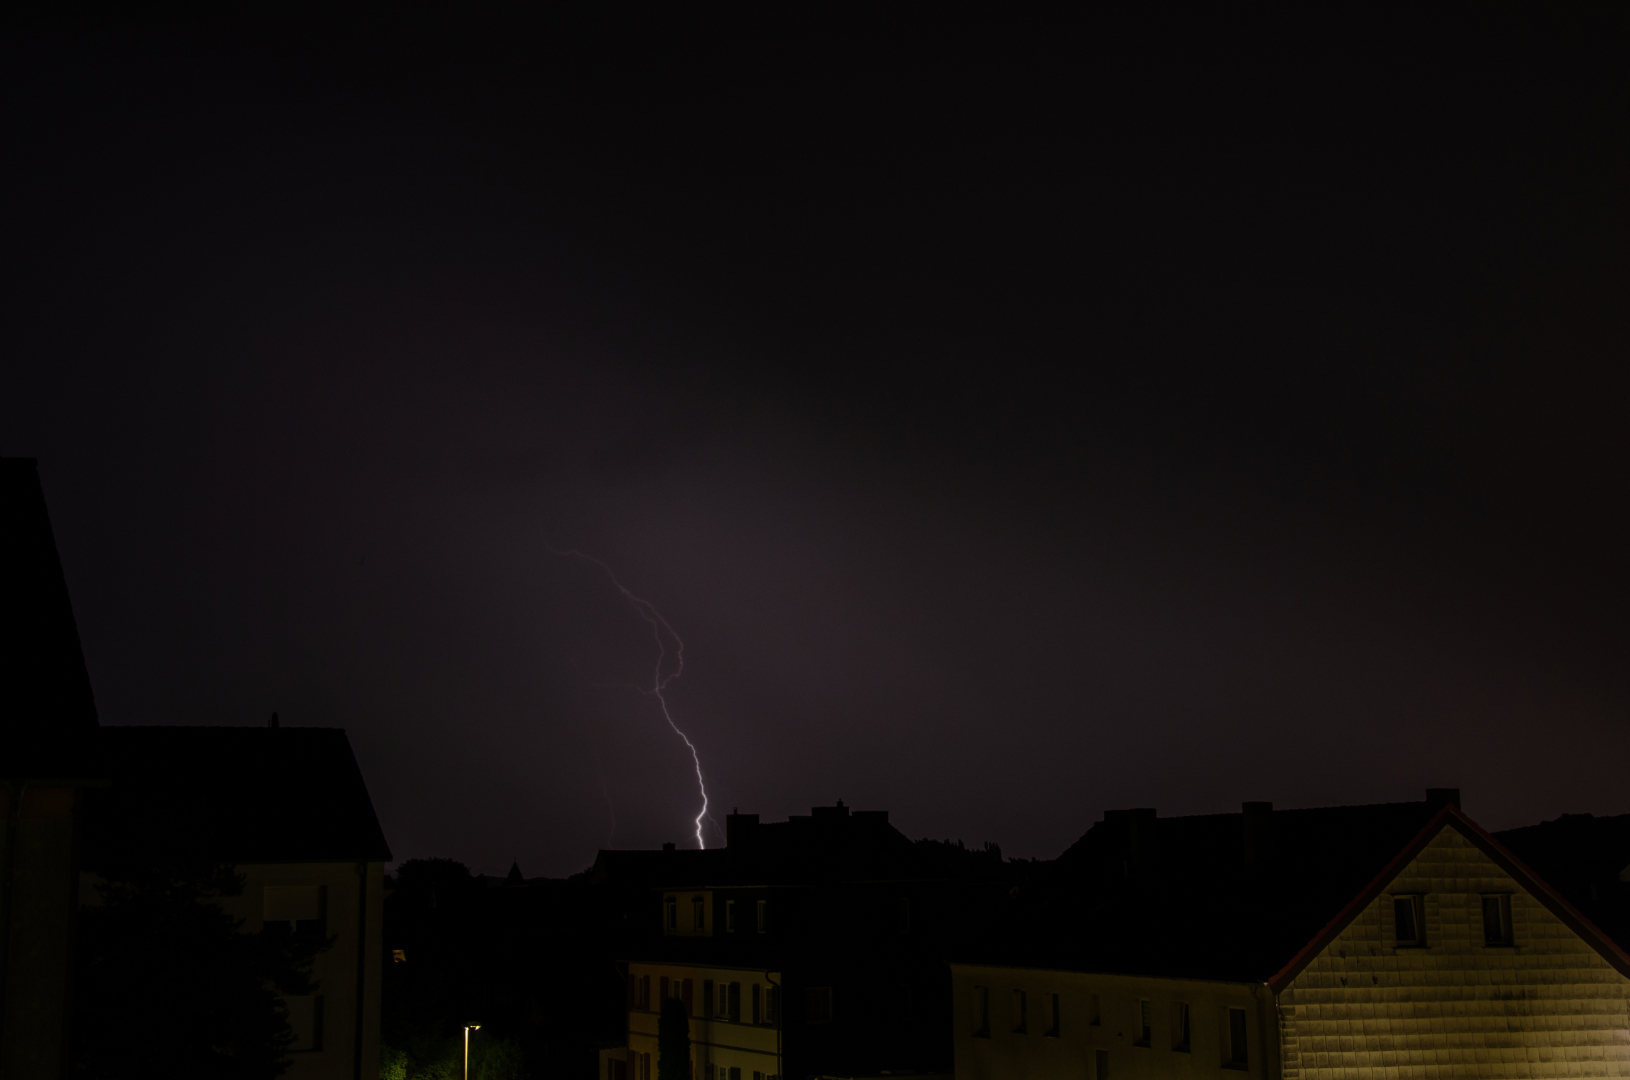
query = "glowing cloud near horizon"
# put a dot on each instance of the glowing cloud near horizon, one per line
(661, 678)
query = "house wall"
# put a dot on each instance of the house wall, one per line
(351, 890)
(1548, 1005)
(716, 1043)
(1034, 1054)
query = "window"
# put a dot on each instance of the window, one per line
(686, 995)
(1408, 923)
(707, 997)
(757, 1075)
(642, 1066)
(730, 916)
(662, 989)
(299, 907)
(735, 1072)
(818, 1005)
(1180, 1026)
(1021, 1006)
(698, 914)
(1497, 920)
(1094, 1016)
(616, 1070)
(670, 919)
(1238, 1055)
(642, 994)
(734, 1002)
(981, 1012)
(398, 956)
(763, 916)
(1145, 1026)
(306, 1020)
(1053, 1018)
(724, 1001)
(772, 1005)
(1101, 1065)
(758, 1005)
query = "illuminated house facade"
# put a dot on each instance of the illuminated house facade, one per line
(1397, 941)
(810, 947)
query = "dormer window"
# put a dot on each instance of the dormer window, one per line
(1409, 921)
(1497, 920)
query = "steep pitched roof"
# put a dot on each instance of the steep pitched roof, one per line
(236, 794)
(48, 710)
(1183, 898)
(1587, 860)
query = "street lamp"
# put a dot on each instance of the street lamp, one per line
(467, 1029)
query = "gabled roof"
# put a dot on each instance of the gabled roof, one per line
(1191, 904)
(1587, 860)
(235, 794)
(48, 711)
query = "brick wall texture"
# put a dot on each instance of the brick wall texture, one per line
(1546, 1006)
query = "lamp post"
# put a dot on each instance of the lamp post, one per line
(467, 1029)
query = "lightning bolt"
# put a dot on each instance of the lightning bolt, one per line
(660, 678)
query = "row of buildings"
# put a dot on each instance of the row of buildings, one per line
(1396, 940)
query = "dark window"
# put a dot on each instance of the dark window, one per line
(670, 907)
(735, 1073)
(818, 1005)
(1238, 1054)
(1497, 920)
(643, 998)
(685, 995)
(981, 1012)
(1145, 1024)
(1101, 1060)
(707, 997)
(1406, 920)
(1021, 1005)
(1180, 1026)
(1053, 1018)
(734, 1011)
(763, 916)
(758, 1005)
(772, 1005)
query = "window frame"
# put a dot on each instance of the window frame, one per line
(1055, 1018)
(1182, 1027)
(1416, 903)
(1507, 937)
(1238, 1053)
(1020, 1014)
(1144, 1017)
(981, 1012)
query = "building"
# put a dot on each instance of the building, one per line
(48, 762)
(288, 808)
(811, 947)
(1396, 940)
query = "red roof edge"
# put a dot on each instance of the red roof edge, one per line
(1452, 815)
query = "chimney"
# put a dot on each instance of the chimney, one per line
(740, 829)
(668, 846)
(1439, 797)
(1256, 827)
(1136, 829)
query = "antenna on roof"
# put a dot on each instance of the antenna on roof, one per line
(272, 723)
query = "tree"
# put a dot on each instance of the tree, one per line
(168, 984)
(673, 1041)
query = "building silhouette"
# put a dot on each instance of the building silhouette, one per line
(808, 947)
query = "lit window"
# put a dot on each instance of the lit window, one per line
(1497, 920)
(398, 956)
(1409, 925)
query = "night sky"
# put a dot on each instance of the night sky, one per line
(1016, 419)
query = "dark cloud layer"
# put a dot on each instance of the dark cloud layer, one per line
(1015, 420)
